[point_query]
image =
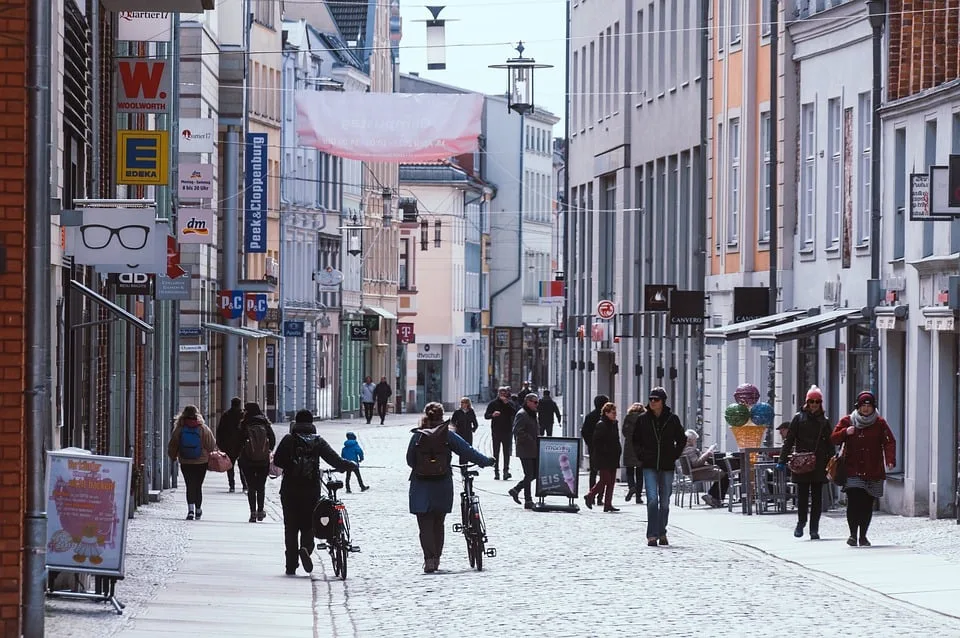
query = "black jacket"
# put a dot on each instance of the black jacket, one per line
(382, 392)
(318, 447)
(228, 432)
(546, 411)
(809, 433)
(465, 423)
(525, 432)
(606, 445)
(659, 442)
(502, 424)
(245, 436)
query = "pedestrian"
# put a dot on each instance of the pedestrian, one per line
(191, 443)
(228, 440)
(587, 432)
(381, 395)
(429, 456)
(868, 446)
(702, 468)
(546, 410)
(367, 397)
(525, 430)
(298, 456)
(658, 441)
(525, 389)
(809, 432)
(464, 420)
(630, 461)
(605, 457)
(353, 452)
(500, 413)
(258, 438)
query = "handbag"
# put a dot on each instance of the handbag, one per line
(837, 467)
(802, 462)
(219, 461)
(274, 471)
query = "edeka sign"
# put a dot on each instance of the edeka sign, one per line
(558, 466)
(143, 85)
(142, 157)
(255, 208)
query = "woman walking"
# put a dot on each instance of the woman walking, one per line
(868, 445)
(809, 433)
(630, 461)
(190, 444)
(431, 478)
(606, 448)
(464, 420)
(258, 438)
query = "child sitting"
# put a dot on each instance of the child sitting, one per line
(353, 452)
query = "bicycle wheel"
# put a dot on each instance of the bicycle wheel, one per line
(334, 558)
(478, 553)
(343, 550)
(470, 553)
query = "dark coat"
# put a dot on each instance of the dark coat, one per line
(245, 436)
(659, 442)
(465, 423)
(436, 495)
(629, 427)
(606, 445)
(503, 424)
(809, 433)
(228, 432)
(546, 410)
(867, 449)
(297, 486)
(382, 392)
(525, 432)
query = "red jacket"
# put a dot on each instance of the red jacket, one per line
(866, 449)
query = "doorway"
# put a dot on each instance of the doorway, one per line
(429, 382)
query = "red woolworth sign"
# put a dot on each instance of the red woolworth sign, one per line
(143, 85)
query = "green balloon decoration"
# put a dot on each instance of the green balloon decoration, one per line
(736, 414)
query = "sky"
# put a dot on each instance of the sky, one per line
(484, 32)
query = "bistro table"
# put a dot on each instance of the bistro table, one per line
(754, 462)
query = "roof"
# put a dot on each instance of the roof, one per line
(351, 18)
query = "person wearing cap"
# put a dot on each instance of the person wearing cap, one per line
(868, 446)
(658, 441)
(809, 431)
(526, 428)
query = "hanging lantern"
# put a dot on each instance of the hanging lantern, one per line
(520, 70)
(436, 234)
(354, 241)
(387, 195)
(424, 230)
(436, 41)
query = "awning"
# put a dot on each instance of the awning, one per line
(386, 314)
(131, 319)
(735, 331)
(832, 320)
(244, 333)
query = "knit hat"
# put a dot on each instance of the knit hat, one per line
(814, 393)
(659, 393)
(252, 409)
(784, 426)
(531, 396)
(303, 416)
(866, 398)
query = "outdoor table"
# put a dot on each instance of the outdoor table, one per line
(748, 470)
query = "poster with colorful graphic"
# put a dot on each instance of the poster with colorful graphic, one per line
(87, 499)
(558, 466)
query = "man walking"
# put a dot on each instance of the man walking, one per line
(525, 430)
(500, 412)
(658, 441)
(367, 391)
(381, 395)
(546, 410)
(229, 441)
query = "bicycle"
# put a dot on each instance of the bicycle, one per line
(472, 526)
(338, 543)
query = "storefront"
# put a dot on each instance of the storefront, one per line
(351, 366)
(429, 374)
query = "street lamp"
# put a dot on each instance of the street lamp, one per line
(520, 70)
(354, 228)
(387, 195)
(877, 12)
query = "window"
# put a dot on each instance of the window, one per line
(639, 55)
(575, 102)
(651, 58)
(593, 74)
(662, 48)
(263, 12)
(615, 98)
(601, 74)
(765, 134)
(721, 25)
(766, 25)
(864, 175)
(485, 291)
(733, 186)
(674, 52)
(808, 154)
(608, 97)
(404, 270)
(899, 190)
(684, 52)
(930, 158)
(718, 214)
(834, 171)
(735, 25)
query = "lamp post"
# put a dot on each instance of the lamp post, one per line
(877, 11)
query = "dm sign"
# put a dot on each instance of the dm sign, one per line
(142, 157)
(195, 226)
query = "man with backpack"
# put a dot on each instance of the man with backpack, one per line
(431, 478)
(228, 439)
(258, 439)
(298, 456)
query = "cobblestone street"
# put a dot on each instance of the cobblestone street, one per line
(588, 574)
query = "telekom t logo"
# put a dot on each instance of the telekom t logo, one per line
(142, 79)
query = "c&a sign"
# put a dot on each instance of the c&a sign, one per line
(142, 157)
(143, 85)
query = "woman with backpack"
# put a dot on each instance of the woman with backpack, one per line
(258, 439)
(190, 444)
(429, 456)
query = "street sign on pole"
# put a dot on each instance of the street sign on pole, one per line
(606, 309)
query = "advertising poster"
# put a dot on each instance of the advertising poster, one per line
(196, 181)
(558, 466)
(255, 209)
(87, 512)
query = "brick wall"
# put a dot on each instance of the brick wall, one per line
(13, 143)
(922, 45)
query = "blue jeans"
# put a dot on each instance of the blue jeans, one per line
(659, 488)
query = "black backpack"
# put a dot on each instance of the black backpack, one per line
(257, 447)
(433, 454)
(304, 461)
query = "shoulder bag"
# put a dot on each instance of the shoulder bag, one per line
(803, 462)
(837, 467)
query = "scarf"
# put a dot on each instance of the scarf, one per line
(860, 422)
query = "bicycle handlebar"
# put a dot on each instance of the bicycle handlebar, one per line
(465, 466)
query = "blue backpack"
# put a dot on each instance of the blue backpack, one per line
(190, 448)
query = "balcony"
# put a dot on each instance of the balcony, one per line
(165, 6)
